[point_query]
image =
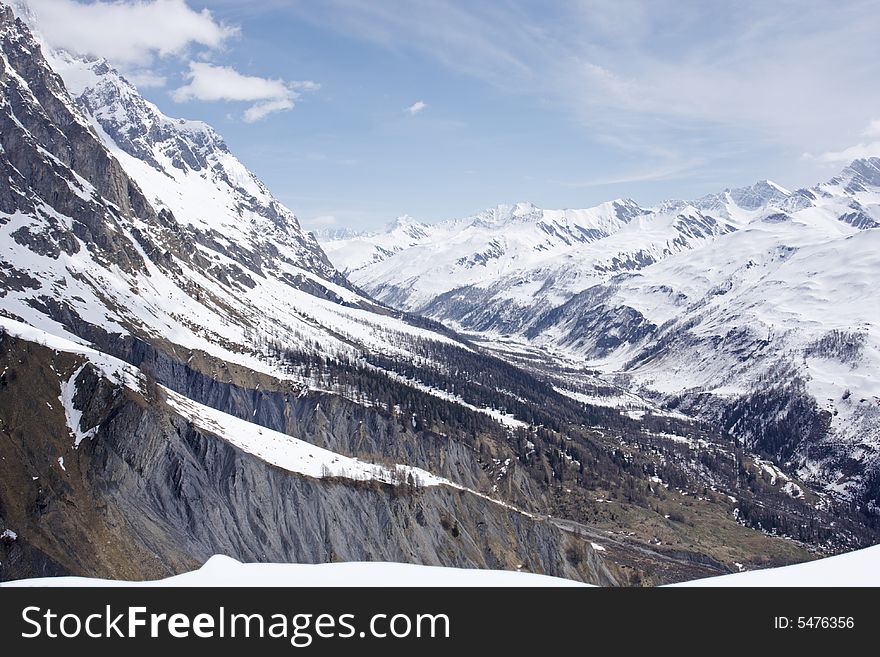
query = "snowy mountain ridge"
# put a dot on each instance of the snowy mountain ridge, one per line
(541, 230)
(713, 297)
(185, 166)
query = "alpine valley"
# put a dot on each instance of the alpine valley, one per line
(619, 395)
(754, 310)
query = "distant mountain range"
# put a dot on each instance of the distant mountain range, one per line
(754, 308)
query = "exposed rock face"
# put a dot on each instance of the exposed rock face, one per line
(52, 158)
(189, 156)
(149, 495)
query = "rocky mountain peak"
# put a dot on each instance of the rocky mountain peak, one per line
(53, 168)
(407, 226)
(185, 168)
(136, 125)
(861, 174)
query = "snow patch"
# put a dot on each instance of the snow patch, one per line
(74, 415)
(858, 569)
(793, 490)
(293, 454)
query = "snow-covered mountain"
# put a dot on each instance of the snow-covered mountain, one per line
(464, 251)
(519, 250)
(355, 250)
(757, 298)
(183, 373)
(216, 262)
(523, 252)
(186, 168)
(179, 353)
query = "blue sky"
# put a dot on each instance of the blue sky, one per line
(357, 111)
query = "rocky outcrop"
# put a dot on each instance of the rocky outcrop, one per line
(53, 166)
(150, 495)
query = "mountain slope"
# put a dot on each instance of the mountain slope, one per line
(159, 483)
(202, 306)
(186, 168)
(218, 265)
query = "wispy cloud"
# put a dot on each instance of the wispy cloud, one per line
(211, 83)
(668, 170)
(860, 150)
(743, 72)
(416, 107)
(476, 38)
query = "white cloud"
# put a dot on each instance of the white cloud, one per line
(211, 83)
(129, 33)
(133, 34)
(260, 111)
(417, 107)
(861, 150)
(304, 85)
(847, 155)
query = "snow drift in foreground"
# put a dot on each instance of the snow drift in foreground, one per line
(859, 568)
(225, 571)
